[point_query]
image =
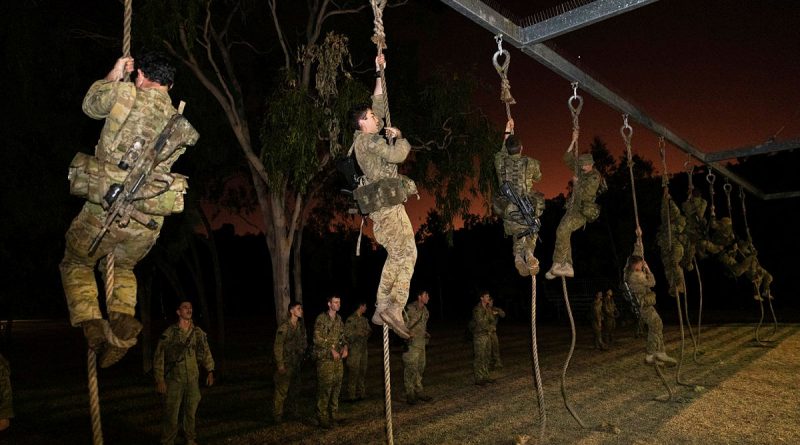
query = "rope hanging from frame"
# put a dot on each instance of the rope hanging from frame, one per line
(502, 71)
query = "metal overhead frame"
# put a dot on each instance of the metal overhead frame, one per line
(528, 40)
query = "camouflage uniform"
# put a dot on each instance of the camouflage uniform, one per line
(495, 362)
(290, 347)
(416, 319)
(581, 208)
(521, 172)
(129, 114)
(482, 325)
(328, 335)
(671, 239)
(696, 241)
(597, 322)
(610, 314)
(6, 405)
(176, 363)
(641, 284)
(356, 331)
(391, 226)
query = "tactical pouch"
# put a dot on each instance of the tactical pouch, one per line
(384, 193)
(90, 177)
(590, 211)
(166, 203)
(499, 204)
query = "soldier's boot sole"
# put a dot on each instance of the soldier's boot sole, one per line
(124, 327)
(664, 358)
(93, 331)
(549, 274)
(376, 317)
(392, 317)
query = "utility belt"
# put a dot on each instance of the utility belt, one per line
(90, 178)
(383, 193)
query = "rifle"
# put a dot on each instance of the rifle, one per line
(631, 299)
(119, 198)
(525, 209)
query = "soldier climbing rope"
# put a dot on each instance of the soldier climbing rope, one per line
(524, 238)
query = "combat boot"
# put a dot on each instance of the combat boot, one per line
(649, 359)
(533, 263)
(93, 331)
(124, 327)
(521, 265)
(376, 317)
(549, 274)
(564, 270)
(663, 357)
(393, 316)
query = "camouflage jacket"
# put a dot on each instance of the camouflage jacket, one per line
(609, 308)
(497, 314)
(587, 187)
(416, 319)
(290, 343)
(357, 331)
(177, 355)
(132, 113)
(641, 282)
(482, 321)
(520, 171)
(596, 313)
(328, 335)
(375, 156)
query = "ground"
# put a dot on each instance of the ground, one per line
(742, 393)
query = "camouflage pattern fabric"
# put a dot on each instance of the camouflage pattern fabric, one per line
(597, 322)
(610, 314)
(414, 359)
(671, 240)
(494, 361)
(356, 331)
(289, 349)
(641, 284)
(328, 336)
(391, 226)
(581, 209)
(482, 325)
(521, 172)
(697, 232)
(176, 363)
(129, 114)
(6, 400)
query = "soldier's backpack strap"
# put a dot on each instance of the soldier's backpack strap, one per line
(186, 346)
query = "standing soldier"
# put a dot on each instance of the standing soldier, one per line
(610, 314)
(382, 196)
(497, 313)
(520, 172)
(357, 331)
(135, 115)
(641, 282)
(482, 325)
(290, 347)
(414, 358)
(330, 348)
(597, 321)
(581, 209)
(180, 349)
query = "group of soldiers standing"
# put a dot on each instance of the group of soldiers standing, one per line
(604, 314)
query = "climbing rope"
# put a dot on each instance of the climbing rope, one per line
(502, 71)
(569, 357)
(387, 385)
(575, 105)
(379, 39)
(727, 187)
(670, 391)
(699, 309)
(711, 178)
(536, 371)
(627, 133)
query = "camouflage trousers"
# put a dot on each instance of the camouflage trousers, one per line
(672, 269)
(571, 222)
(482, 349)
(283, 382)
(6, 405)
(356, 363)
(495, 361)
(655, 329)
(329, 385)
(394, 232)
(609, 326)
(413, 368)
(181, 401)
(597, 327)
(129, 245)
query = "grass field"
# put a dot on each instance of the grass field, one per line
(744, 394)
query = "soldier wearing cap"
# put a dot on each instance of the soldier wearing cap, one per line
(581, 209)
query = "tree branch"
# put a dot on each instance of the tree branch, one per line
(281, 38)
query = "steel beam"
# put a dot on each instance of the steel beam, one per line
(743, 152)
(577, 18)
(483, 15)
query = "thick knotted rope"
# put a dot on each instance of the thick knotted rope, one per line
(379, 39)
(537, 374)
(502, 71)
(627, 133)
(387, 385)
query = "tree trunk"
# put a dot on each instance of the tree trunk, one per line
(297, 271)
